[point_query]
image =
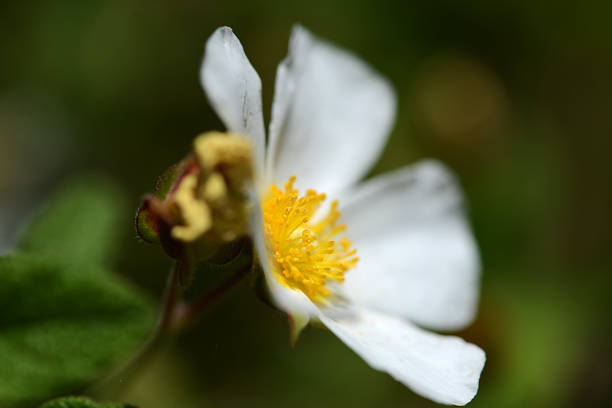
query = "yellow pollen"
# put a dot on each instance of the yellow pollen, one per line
(195, 213)
(304, 253)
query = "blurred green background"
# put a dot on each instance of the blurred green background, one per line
(515, 96)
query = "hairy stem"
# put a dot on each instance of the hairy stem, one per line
(174, 315)
(110, 385)
(186, 314)
(169, 301)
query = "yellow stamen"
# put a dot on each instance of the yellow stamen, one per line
(304, 254)
(195, 213)
(212, 202)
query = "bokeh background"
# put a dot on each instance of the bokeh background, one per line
(515, 96)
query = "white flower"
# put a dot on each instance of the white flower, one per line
(418, 263)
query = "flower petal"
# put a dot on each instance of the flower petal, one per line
(233, 87)
(294, 302)
(330, 118)
(444, 369)
(417, 256)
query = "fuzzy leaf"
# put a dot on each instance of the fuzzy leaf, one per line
(79, 223)
(62, 326)
(82, 402)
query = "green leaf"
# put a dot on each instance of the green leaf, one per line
(63, 326)
(82, 402)
(79, 223)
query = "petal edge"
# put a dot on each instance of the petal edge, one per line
(418, 258)
(445, 369)
(331, 111)
(234, 88)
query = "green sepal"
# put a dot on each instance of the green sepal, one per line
(147, 224)
(227, 253)
(82, 402)
(297, 323)
(149, 216)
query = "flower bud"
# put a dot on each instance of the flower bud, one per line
(200, 205)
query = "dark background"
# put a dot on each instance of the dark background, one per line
(514, 96)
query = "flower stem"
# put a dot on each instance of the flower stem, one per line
(169, 301)
(186, 314)
(174, 315)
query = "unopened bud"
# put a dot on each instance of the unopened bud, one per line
(201, 203)
(213, 202)
(195, 216)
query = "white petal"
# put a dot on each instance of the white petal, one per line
(330, 118)
(444, 369)
(291, 301)
(417, 255)
(233, 88)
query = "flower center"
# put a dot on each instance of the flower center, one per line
(304, 253)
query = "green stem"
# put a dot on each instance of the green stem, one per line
(186, 314)
(169, 302)
(174, 315)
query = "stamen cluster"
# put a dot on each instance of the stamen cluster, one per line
(304, 252)
(212, 202)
